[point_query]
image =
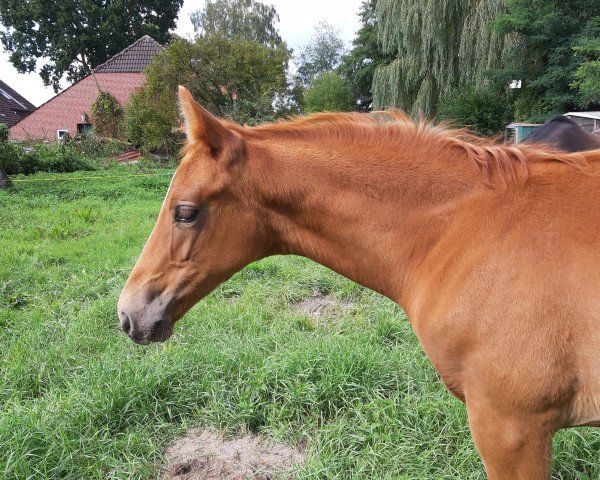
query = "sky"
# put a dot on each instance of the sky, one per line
(297, 19)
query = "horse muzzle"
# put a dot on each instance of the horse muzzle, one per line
(146, 322)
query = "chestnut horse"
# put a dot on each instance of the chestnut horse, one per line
(492, 251)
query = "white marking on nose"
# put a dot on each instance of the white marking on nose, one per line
(161, 207)
(168, 190)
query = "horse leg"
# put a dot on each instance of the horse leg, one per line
(513, 446)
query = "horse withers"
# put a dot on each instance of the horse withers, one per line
(492, 251)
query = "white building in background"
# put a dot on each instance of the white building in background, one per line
(589, 121)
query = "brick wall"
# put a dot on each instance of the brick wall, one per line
(63, 112)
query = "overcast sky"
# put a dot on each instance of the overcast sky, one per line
(297, 19)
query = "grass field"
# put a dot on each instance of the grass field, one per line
(81, 401)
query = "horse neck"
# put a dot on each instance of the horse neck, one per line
(370, 214)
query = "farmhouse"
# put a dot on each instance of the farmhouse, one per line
(13, 107)
(69, 112)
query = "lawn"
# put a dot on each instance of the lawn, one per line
(79, 400)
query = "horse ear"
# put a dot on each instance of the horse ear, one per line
(201, 125)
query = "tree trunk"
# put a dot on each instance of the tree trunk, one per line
(4, 180)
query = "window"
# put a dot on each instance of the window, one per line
(62, 134)
(84, 129)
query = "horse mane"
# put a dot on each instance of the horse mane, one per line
(486, 154)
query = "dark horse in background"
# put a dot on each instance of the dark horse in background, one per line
(563, 133)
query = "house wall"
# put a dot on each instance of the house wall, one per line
(63, 112)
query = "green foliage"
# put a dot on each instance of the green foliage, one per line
(358, 66)
(69, 37)
(322, 54)
(246, 19)
(328, 92)
(97, 148)
(480, 110)
(14, 159)
(587, 81)
(107, 115)
(436, 47)
(542, 56)
(552, 47)
(10, 156)
(234, 78)
(150, 121)
(531, 106)
(4, 132)
(587, 75)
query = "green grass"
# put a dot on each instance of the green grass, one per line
(80, 400)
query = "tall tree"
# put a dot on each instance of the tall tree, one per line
(545, 55)
(234, 78)
(481, 110)
(71, 37)
(437, 46)
(322, 53)
(358, 66)
(246, 19)
(587, 75)
(329, 92)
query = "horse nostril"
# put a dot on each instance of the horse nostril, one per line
(125, 323)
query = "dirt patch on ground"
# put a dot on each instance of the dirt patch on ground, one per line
(206, 455)
(318, 305)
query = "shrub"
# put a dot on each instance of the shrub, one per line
(3, 133)
(533, 107)
(479, 109)
(10, 158)
(107, 115)
(150, 121)
(329, 92)
(94, 147)
(41, 158)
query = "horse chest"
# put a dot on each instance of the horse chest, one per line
(446, 348)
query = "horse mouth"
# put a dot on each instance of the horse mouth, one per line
(157, 334)
(160, 332)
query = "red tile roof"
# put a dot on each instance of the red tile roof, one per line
(13, 107)
(135, 58)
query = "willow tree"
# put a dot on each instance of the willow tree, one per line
(438, 45)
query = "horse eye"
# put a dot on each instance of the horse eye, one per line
(185, 214)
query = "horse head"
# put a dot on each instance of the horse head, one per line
(206, 229)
